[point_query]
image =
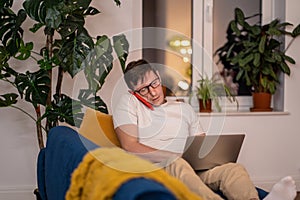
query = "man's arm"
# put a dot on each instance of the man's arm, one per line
(127, 135)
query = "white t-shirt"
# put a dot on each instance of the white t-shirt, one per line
(165, 128)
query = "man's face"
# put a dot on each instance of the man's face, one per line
(151, 83)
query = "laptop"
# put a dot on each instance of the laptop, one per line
(204, 152)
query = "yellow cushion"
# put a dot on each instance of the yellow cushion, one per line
(98, 127)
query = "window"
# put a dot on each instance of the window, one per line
(206, 34)
(167, 28)
(201, 25)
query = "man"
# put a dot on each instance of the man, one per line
(155, 129)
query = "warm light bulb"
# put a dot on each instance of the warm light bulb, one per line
(186, 59)
(184, 85)
(183, 51)
(185, 43)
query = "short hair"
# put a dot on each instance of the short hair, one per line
(135, 71)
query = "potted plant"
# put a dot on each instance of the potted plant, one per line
(255, 53)
(71, 51)
(209, 90)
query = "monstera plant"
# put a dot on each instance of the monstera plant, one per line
(71, 51)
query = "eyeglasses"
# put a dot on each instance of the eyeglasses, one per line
(145, 90)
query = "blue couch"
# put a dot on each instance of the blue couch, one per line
(64, 151)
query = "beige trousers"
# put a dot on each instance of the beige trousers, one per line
(232, 179)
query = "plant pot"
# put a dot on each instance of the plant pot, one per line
(261, 102)
(206, 107)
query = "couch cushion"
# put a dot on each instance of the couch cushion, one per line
(98, 127)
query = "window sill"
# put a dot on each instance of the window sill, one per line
(244, 113)
(230, 109)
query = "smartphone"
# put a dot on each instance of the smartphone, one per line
(141, 99)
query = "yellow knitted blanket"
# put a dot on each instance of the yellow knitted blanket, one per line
(104, 170)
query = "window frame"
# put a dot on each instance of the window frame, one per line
(202, 23)
(202, 36)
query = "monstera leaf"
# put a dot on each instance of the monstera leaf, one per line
(90, 99)
(63, 16)
(4, 66)
(8, 99)
(98, 63)
(63, 109)
(74, 50)
(36, 10)
(6, 3)
(11, 32)
(121, 47)
(24, 51)
(35, 86)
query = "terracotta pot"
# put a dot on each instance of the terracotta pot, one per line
(206, 107)
(261, 102)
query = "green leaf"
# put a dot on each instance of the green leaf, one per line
(273, 23)
(235, 28)
(36, 10)
(90, 99)
(266, 70)
(8, 99)
(53, 18)
(63, 109)
(68, 28)
(296, 31)
(11, 32)
(4, 56)
(121, 47)
(36, 27)
(274, 31)
(230, 50)
(272, 87)
(289, 59)
(6, 3)
(255, 30)
(239, 75)
(118, 3)
(273, 75)
(264, 82)
(247, 78)
(283, 25)
(35, 86)
(74, 51)
(256, 60)
(277, 57)
(273, 44)
(262, 44)
(239, 16)
(246, 60)
(46, 63)
(285, 68)
(98, 64)
(91, 11)
(24, 51)
(80, 4)
(6, 71)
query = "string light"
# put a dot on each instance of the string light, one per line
(183, 46)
